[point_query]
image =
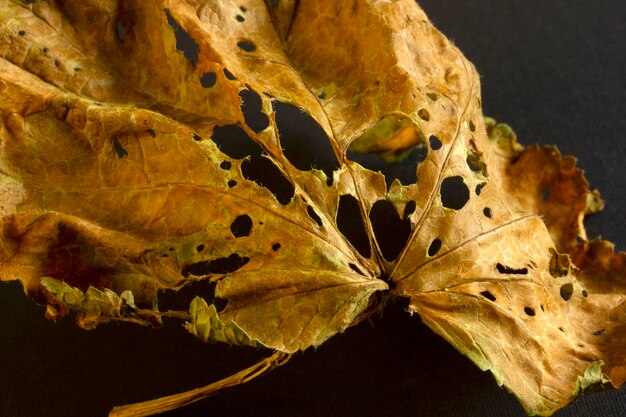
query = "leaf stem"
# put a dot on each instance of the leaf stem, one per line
(172, 402)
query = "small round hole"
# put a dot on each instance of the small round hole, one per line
(529, 311)
(423, 114)
(246, 46)
(566, 291)
(434, 247)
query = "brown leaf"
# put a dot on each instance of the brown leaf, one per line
(149, 145)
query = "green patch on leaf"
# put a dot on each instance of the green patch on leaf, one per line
(208, 326)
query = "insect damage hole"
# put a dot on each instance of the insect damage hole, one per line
(489, 296)
(119, 149)
(434, 247)
(235, 142)
(276, 246)
(423, 114)
(303, 140)
(120, 31)
(208, 79)
(409, 209)
(454, 193)
(355, 269)
(566, 291)
(390, 230)
(242, 226)
(252, 110)
(184, 43)
(503, 269)
(313, 215)
(435, 142)
(225, 265)
(487, 212)
(246, 45)
(529, 311)
(229, 75)
(350, 224)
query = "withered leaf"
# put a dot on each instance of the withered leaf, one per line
(144, 149)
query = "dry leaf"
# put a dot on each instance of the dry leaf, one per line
(150, 145)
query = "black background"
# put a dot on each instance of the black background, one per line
(554, 70)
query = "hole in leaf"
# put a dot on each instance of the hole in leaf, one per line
(559, 264)
(263, 172)
(240, 18)
(435, 142)
(231, 183)
(119, 149)
(489, 296)
(312, 214)
(432, 96)
(472, 126)
(454, 193)
(599, 332)
(566, 291)
(184, 43)
(179, 300)
(350, 224)
(229, 75)
(487, 212)
(547, 194)
(562, 329)
(235, 142)
(152, 133)
(409, 209)
(529, 311)
(208, 79)
(474, 161)
(252, 109)
(304, 142)
(355, 269)
(21, 32)
(119, 29)
(434, 247)
(585, 293)
(390, 230)
(405, 171)
(275, 247)
(243, 9)
(423, 114)
(200, 248)
(246, 45)
(225, 165)
(242, 226)
(503, 269)
(479, 188)
(215, 266)
(196, 137)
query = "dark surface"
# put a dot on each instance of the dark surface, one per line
(555, 71)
